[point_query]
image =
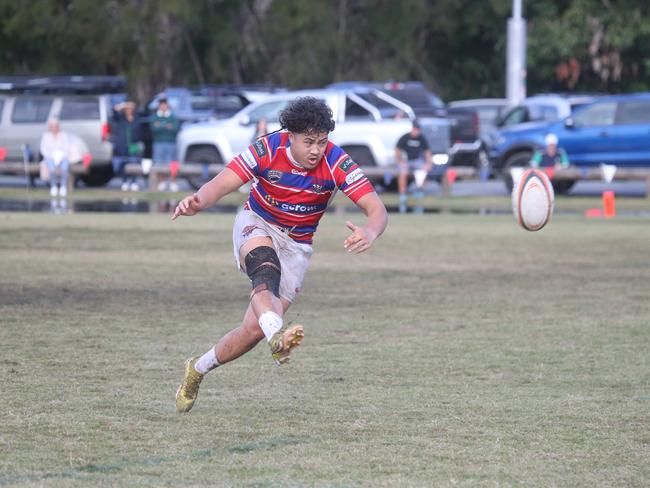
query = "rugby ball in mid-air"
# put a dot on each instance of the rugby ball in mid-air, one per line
(532, 199)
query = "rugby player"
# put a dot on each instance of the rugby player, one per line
(296, 172)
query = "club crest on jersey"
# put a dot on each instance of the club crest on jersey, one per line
(317, 188)
(346, 164)
(260, 149)
(356, 175)
(273, 175)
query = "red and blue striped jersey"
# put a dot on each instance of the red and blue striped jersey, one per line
(287, 195)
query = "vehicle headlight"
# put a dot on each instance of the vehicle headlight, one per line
(440, 159)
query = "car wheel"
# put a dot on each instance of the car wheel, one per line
(563, 187)
(363, 157)
(98, 175)
(360, 155)
(519, 159)
(201, 155)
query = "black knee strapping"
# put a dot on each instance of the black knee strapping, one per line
(263, 268)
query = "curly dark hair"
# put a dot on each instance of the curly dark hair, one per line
(307, 115)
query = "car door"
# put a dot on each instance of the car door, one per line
(631, 133)
(27, 123)
(587, 135)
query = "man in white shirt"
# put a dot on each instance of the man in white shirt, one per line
(56, 148)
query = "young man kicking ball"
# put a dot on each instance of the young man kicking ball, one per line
(296, 172)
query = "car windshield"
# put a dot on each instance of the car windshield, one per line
(229, 103)
(488, 114)
(385, 109)
(530, 113)
(269, 111)
(515, 116)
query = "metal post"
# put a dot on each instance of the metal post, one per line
(516, 56)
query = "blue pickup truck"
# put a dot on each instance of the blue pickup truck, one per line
(612, 130)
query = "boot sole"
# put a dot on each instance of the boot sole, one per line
(291, 339)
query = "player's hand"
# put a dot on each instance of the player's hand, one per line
(188, 206)
(360, 240)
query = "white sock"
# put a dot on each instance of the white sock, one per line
(207, 362)
(270, 322)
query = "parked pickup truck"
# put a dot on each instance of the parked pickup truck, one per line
(361, 130)
(465, 146)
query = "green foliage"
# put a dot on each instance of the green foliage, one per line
(456, 46)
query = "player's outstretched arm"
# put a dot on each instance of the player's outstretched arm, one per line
(362, 238)
(210, 193)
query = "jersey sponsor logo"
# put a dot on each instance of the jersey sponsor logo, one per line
(249, 159)
(260, 149)
(296, 172)
(273, 175)
(346, 164)
(298, 207)
(356, 175)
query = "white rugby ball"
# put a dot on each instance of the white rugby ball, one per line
(532, 199)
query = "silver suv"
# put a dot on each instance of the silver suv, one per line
(26, 104)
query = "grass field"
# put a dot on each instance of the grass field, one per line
(461, 351)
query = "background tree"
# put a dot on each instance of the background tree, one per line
(457, 47)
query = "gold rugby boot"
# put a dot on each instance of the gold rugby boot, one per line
(189, 389)
(284, 341)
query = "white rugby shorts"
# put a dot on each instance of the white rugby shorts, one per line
(294, 256)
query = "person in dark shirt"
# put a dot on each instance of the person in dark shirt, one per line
(412, 153)
(127, 145)
(552, 156)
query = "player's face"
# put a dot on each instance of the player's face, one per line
(308, 149)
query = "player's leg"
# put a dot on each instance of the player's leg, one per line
(273, 292)
(234, 344)
(263, 267)
(262, 318)
(261, 263)
(242, 339)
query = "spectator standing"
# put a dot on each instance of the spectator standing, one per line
(56, 149)
(412, 153)
(261, 129)
(127, 143)
(551, 156)
(164, 128)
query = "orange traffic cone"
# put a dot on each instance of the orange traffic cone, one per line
(609, 204)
